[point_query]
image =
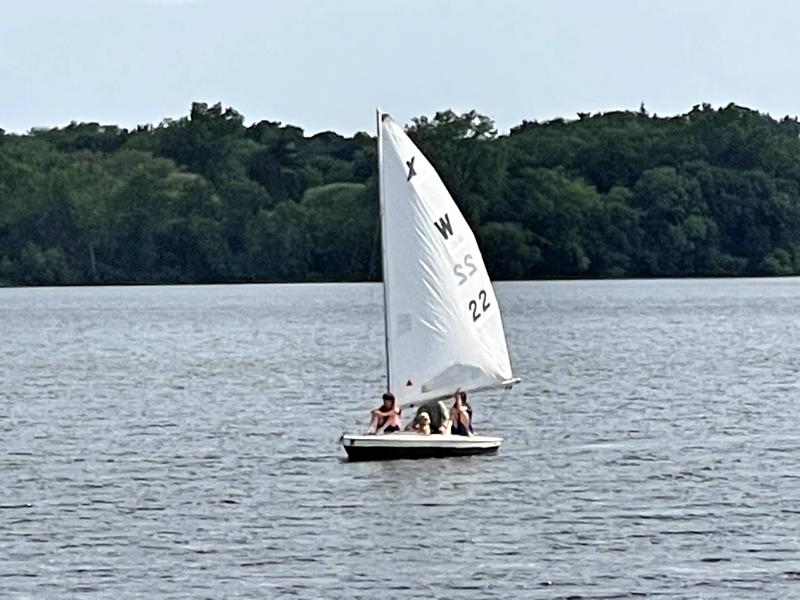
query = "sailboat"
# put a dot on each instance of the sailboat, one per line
(443, 328)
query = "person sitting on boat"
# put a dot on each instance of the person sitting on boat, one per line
(420, 424)
(385, 418)
(461, 415)
(438, 415)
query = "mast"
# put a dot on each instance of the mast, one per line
(384, 261)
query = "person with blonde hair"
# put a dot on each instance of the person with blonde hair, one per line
(438, 415)
(421, 424)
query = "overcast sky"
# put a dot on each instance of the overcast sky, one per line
(326, 65)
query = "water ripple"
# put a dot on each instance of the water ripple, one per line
(181, 442)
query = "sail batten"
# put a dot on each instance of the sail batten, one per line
(443, 325)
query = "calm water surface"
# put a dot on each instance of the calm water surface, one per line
(165, 442)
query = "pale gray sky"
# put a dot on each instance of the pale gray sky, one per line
(326, 65)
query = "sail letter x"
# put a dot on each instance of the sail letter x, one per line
(411, 171)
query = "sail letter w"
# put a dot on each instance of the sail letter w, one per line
(444, 226)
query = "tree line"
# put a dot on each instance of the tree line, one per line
(206, 198)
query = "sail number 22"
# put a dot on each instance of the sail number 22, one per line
(474, 307)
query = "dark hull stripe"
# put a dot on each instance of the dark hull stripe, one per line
(362, 453)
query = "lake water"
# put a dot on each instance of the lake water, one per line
(166, 442)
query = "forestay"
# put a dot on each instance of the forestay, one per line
(443, 325)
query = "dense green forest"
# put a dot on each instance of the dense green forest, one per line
(206, 198)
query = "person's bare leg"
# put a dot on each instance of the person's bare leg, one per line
(465, 422)
(393, 420)
(373, 424)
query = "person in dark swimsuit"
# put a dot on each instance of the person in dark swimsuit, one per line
(461, 415)
(385, 418)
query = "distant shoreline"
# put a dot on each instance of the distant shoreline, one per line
(6, 285)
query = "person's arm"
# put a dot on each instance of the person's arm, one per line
(387, 413)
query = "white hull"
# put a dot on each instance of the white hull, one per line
(414, 445)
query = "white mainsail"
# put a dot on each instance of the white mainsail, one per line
(443, 325)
